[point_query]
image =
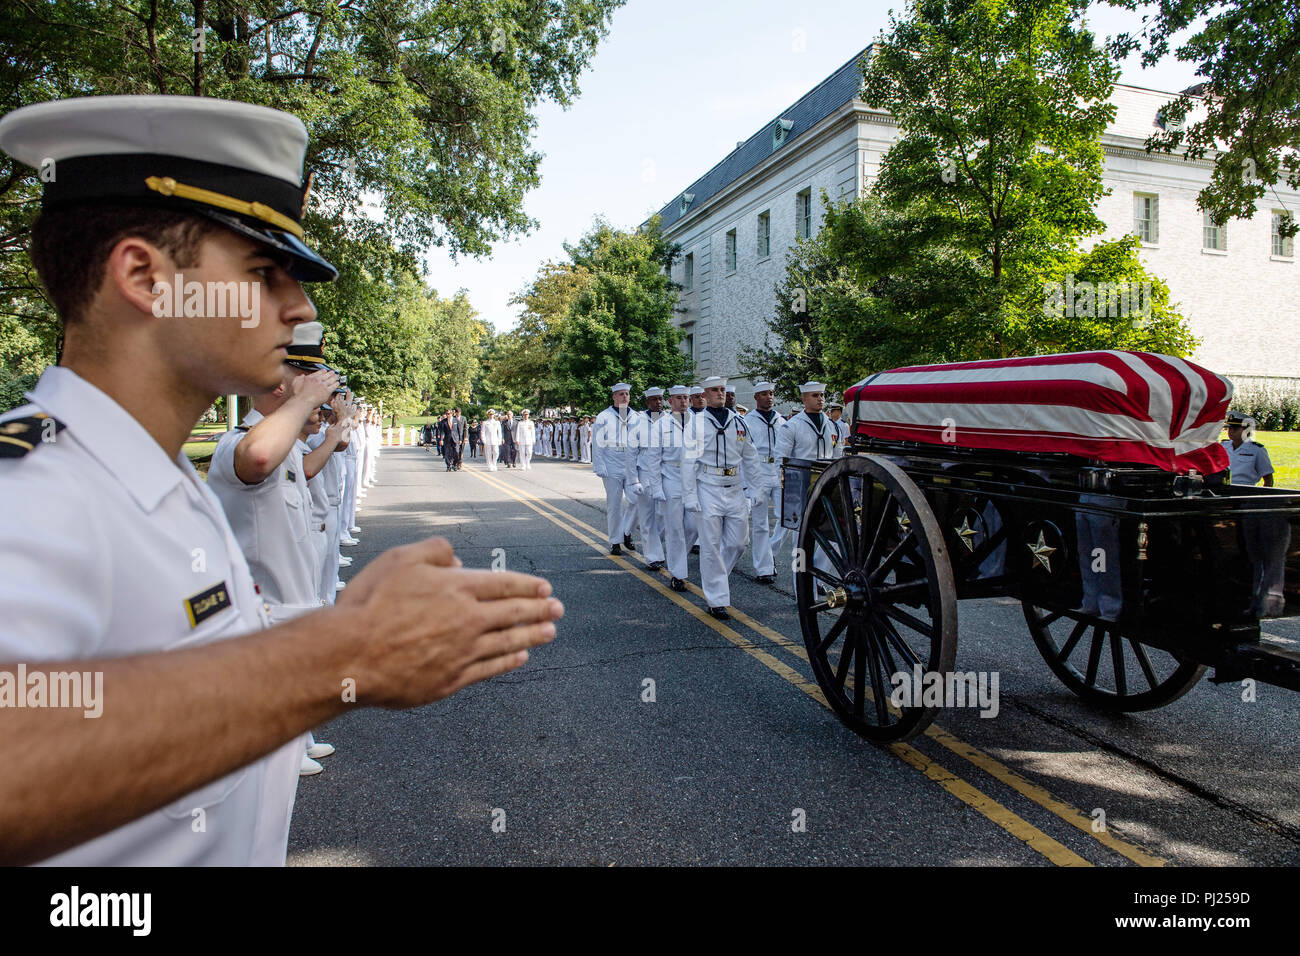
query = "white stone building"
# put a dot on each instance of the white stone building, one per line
(1236, 285)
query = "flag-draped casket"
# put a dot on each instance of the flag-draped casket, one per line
(1119, 407)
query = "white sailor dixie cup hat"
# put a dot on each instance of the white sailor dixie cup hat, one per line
(696, 390)
(621, 387)
(764, 387)
(714, 381)
(812, 387)
(654, 392)
(235, 163)
(679, 390)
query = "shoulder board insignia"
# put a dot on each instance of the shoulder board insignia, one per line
(1258, 444)
(203, 605)
(21, 435)
(241, 428)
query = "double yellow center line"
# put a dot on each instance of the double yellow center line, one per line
(991, 809)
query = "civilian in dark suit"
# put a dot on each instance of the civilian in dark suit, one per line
(508, 439)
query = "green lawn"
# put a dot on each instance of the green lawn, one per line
(1284, 452)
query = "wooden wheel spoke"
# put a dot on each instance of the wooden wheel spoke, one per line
(906, 543)
(1117, 663)
(826, 576)
(846, 655)
(905, 651)
(915, 623)
(877, 678)
(860, 670)
(1094, 655)
(832, 515)
(872, 550)
(1068, 647)
(1148, 671)
(833, 632)
(895, 593)
(835, 559)
(1050, 619)
(846, 510)
(988, 546)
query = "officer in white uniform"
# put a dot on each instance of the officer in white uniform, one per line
(1247, 458)
(525, 437)
(766, 534)
(109, 546)
(835, 411)
(721, 463)
(811, 435)
(491, 434)
(270, 507)
(613, 459)
(663, 468)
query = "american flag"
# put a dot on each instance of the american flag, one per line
(1118, 407)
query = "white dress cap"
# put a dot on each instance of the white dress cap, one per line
(621, 387)
(812, 387)
(731, 390)
(696, 390)
(653, 392)
(714, 381)
(679, 390)
(764, 387)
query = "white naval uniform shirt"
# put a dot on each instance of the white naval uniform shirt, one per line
(104, 541)
(1249, 463)
(661, 460)
(712, 449)
(613, 454)
(764, 432)
(802, 439)
(271, 521)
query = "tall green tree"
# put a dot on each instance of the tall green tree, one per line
(523, 359)
(619, 326)
(1245, 114)
(423, 107)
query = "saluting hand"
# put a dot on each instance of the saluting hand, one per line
(429, 627)
(316, 388)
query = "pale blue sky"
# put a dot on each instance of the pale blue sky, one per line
(669, 93)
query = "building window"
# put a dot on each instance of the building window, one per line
(688, 347)
(764, 233)
(1216, 234)
(731, 250)
(690, 271)
(803, 214)
(1146, 217)
(1282, 245)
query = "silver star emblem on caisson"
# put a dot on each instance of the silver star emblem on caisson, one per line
(966, 534)
(904, 523)
(1041, 552)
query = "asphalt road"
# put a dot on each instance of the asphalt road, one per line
(736, 760)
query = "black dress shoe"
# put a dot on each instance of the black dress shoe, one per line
(677, 584)
(627, 542)
(695, 549)
(655, 566)
(615, 549)
(767, 579)
(720, 613)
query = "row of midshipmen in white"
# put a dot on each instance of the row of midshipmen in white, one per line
(707, 474)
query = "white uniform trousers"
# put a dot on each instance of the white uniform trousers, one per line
(490, 452)
(766, 531)
(679, 528)
(349, 506)
(329, 575)
(526, 456)
(615, 513)
(723, 530)
(650, 515)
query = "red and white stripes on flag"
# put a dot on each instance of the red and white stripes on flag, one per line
(1119, 407)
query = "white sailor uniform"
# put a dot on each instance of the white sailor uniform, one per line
(147, 563)
(766, 533)
(721, 463)
(662, 466)
(613, 459)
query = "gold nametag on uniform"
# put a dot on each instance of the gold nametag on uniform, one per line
(203, 605)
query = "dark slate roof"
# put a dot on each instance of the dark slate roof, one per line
(813, 107)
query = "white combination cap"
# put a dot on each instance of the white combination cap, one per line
(235, 163)
(714, 381)
(764, 387)
(812, 387)
(621, 387)
(654, 392)
(679, 390)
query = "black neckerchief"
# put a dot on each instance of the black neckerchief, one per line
(768, 417)
(719, 441)
(820, 424)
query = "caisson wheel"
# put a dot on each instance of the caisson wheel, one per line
(876, 595)
(1104, 666)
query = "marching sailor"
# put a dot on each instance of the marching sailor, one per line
(721, 463)
(766, 535)
(810, 435)
(648, 511)
(663, 467)
(696, 398)
(835, 411)
(613, 460)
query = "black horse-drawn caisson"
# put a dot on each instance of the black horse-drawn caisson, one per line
(1091, 487)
